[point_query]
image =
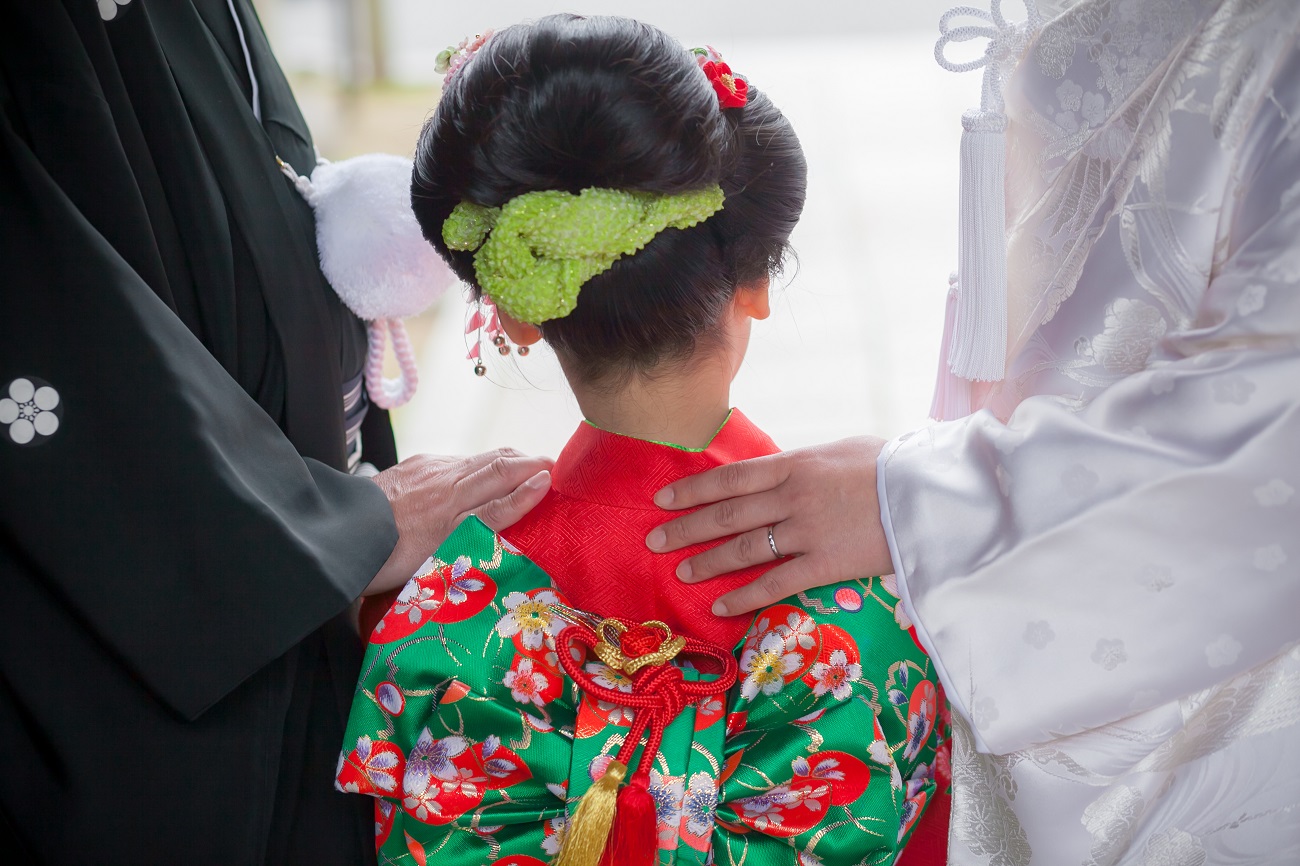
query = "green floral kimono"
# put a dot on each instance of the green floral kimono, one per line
(478, 745)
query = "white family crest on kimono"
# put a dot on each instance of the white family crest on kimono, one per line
(1112, 606)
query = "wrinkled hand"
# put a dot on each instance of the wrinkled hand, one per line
(822, 505)
(430, 495)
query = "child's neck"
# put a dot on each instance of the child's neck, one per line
(684, 406)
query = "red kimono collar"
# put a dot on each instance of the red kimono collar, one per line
(622, 471)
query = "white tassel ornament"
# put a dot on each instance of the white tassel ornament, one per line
(975, 333)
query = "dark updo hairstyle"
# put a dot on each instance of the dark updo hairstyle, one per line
(567, 103)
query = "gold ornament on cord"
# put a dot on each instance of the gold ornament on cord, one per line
(613, 655)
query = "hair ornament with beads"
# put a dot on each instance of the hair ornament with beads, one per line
(451, 59)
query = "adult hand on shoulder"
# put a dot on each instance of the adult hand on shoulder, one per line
(430, 495)
(820, 501)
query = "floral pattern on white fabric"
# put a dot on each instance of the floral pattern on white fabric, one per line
(1185, 199)
(1039, 634)
(1109, 653)
(1275, 493)
(1222, 651)
(1270, 558)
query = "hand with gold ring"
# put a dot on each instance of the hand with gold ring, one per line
(822, 500)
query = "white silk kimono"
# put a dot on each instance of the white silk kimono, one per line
(1104, 560)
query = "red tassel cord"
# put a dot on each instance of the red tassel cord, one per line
(634, 839)
(659, 694)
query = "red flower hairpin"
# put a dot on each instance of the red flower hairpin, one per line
(733, 91)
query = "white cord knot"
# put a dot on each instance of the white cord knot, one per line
(975, 339)
(1007, 41)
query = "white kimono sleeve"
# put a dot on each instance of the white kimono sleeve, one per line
(1073, 567)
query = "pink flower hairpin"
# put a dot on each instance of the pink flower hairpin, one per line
(450, 60)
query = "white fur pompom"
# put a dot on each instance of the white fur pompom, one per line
(370, 245)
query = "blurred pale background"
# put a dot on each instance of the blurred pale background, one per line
(851, 345)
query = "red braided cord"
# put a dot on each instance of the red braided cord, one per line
(659, 692)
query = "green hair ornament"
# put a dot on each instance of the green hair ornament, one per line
(535, 252)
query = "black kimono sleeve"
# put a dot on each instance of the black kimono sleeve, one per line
(166, 507)
(160, 276)
(176, 537)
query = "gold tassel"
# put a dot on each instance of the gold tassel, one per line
(584, 841)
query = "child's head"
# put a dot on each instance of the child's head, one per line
(570, 103)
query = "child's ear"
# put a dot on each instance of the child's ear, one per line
(753, 299)
(521, 333)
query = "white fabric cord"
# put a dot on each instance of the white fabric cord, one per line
(248, 60)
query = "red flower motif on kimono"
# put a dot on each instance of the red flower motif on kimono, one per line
(708, 711)
(527, 685)
(433, 758)
(817, 783)
(503, 767)
(445, 778)
(920, 718)
(371, 768)
(390, 697)
(837, 667)
(450, 593)
(912, 807)
(943, 765)
(786, 810)
(846, 775)
(432, 780)
(836, 676)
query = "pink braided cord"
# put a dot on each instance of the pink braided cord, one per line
(390, 393)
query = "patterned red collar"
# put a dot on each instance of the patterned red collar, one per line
(589, 533)
(624, 472)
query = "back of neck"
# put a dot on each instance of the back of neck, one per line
(682, 406)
